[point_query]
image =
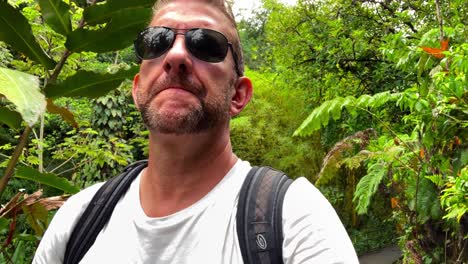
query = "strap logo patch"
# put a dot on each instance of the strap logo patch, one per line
(261, 242)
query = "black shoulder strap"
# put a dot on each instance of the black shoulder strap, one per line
(259, 216)
(98, 212)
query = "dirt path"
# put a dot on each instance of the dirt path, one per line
(386, 255)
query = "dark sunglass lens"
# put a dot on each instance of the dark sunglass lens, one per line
(153, 42)
(207, 45)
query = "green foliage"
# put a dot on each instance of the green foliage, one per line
(344, 153)
(10, 118)
(117, 34)
(47, 179)
(367, 65)
(23, 91)
(376, 234)
(89, 84)
(367, 186)
(5, 56)
(99, 14)
(422, 194)
(321, 115)
(51, 41)
(454, 197)
(56, 13)
(262, 133)
(16, 31)
(323, 70)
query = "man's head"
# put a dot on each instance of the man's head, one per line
(233, 35)
(188, 81)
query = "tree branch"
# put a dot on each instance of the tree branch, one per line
(59, 66)
(14, 159)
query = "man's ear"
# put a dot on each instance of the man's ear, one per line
(136, 79)
(241, 95)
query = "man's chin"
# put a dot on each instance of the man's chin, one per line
(175, 125)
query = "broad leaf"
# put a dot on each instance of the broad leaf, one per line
(97, 14)
(23, 91)
(36, 216)
(10, 118)
(63, 112)
(56, 13)
(16, 31)
(428, 206)
(119, 33)
(89, 84)
(49, 179)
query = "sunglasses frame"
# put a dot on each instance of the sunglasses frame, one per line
(176, 32)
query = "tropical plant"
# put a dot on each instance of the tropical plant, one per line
(422, 161)
(50, 49)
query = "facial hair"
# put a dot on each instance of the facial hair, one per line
(209, 113)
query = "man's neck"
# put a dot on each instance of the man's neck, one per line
(182, 169)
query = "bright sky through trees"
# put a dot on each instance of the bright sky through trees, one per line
(242, 8)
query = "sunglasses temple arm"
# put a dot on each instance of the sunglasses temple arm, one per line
(234, 56)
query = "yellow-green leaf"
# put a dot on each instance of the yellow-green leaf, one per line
(23, 91)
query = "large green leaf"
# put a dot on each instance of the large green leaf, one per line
(119, 33)
(57, 15)
(10, 118)
(23, 91)
(428, 202)
(49, 179)
(16, 31)
(89, 84)
(97, 14)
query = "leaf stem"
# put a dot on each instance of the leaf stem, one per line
(65, 162)
(14, 159)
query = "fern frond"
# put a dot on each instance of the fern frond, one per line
(320, 116)
(368, 185)
(355, 161)
(334, 158)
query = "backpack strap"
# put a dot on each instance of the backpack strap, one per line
(98, 212)
(259, 216)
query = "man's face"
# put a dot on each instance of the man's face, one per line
(178, 93)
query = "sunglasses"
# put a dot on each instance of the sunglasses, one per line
(204, 44)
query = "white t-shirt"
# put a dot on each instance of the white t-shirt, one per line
(202, 233)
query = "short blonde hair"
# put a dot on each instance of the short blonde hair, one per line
(225, 6)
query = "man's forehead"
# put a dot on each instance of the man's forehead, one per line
(185, 14)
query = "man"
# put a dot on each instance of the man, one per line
(182, 207)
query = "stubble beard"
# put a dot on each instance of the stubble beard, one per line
(209, 113)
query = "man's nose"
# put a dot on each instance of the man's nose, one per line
(178, 58)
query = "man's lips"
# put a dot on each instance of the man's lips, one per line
(179, 90)
(175, 88)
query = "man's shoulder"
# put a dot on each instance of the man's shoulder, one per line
(75, 205)
(83, 197)
(53, 243)
(304, 199)
(312, 226)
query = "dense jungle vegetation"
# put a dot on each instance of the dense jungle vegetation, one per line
(366, 98)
